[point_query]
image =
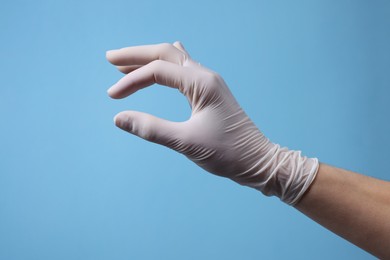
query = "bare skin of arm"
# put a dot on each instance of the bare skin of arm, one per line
(353, 206)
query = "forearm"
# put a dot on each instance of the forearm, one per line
(352, 205)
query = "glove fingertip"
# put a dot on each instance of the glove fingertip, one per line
(120, 119)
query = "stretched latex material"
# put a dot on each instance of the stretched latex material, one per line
(219, 136)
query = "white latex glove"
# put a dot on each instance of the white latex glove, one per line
(218, 136)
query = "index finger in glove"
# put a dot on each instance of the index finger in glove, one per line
(158, 71)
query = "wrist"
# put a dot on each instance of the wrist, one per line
(281, 172)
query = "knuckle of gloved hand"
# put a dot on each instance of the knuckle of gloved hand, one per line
(164, 49)
(213, 81)
(141, 126)
(146, 129)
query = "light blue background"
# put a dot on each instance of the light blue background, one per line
(313, 75)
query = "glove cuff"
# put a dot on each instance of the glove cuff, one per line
(283, 173)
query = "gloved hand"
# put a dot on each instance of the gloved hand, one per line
(218, 136)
